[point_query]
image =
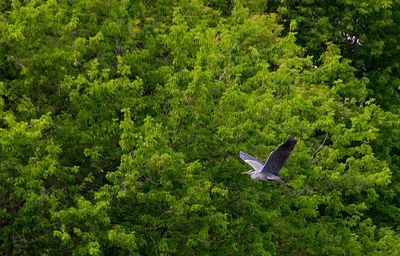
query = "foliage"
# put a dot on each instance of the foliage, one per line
(367, 34)
(121, 123)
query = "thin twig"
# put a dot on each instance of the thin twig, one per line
(167, 212)
(155, 245)
(222, 76)
(318, 149)
(151, 180)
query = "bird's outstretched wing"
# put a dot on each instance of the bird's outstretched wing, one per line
(252, 161)
(278, 157)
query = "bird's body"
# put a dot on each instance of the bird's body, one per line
(270, 170)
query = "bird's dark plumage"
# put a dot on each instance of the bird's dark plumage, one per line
(278, 157)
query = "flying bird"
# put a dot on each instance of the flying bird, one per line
(276, 160)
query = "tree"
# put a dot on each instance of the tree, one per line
(121, 124)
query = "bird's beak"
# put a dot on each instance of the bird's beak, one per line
(246, 172)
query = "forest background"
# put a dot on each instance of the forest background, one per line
(121, 124)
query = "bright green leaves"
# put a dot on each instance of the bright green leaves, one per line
(180, 41)
(338, 73)
(121, 123)
(29, 163)
(120, 238)
(170, 195)
(76, 229)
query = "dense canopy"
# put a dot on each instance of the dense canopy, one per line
(121, 122)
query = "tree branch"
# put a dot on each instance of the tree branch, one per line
(318, 149)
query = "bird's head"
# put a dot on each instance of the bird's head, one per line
(248, 172)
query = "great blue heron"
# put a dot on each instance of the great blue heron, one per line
(276, 160)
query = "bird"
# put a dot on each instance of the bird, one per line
(270, 170)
